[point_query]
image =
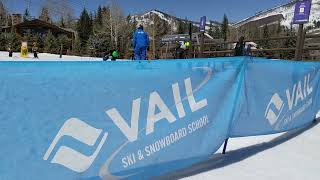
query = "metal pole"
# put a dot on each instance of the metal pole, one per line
(225, 146)
(202, 45)
(298, 53)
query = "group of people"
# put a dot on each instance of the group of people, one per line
(24, 50)
(140, 43)
(242, 49)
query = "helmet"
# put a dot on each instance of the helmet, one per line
(115, 54)
(140, 26)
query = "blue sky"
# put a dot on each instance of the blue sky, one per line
(192, 9)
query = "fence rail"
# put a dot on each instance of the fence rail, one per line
(211, 47)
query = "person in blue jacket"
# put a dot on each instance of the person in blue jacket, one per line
(140, 44)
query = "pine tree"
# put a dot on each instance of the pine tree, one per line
(225, 28)
(26, 15)
(290, 43)
(266, 35)
(98, 19)
(217, 32)
(181, 27)
(3, 42)
(14, 40)
(3, 14)
(39, 40)
(62, 24)
(50, 43)
(84, 27)
(211, 30)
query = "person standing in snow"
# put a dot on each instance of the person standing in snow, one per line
(10, 50)
(35, 50)
(240, 47)
(140, 44)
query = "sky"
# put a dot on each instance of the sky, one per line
(191, 9)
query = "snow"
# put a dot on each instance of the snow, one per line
(146, 19)
(292, 155)
(4, 56)
(287, 11)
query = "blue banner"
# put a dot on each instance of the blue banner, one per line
(132, 120)
(302, 11)
(276, 96)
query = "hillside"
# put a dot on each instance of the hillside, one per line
(286, 11)
(146, 19)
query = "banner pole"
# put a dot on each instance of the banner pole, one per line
(225, 146)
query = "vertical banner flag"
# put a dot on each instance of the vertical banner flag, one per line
(302, 12)
(203, 24)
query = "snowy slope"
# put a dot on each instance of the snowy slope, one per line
(45, 57)
(293, 155)
(146, 19)
(287, 11)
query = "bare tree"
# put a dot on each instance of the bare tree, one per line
(3, 13)
(60, 9)
(45, 16)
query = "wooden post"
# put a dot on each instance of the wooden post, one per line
(167, 47)
(191, 41)
(300, 43)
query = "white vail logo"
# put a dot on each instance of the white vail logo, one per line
(278, 104)
(295, 99)
(70, 158)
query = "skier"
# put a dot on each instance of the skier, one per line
(112, 55)
(140, 44)
(35, 50)
(181, 50)
(240, 47)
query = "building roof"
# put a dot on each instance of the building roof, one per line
(36, 23)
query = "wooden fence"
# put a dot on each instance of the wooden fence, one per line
(309, 49)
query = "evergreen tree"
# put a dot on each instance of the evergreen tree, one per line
(3, 14)
(181, 27)
(3, 42)
(84, 27)
(77, 47)
(99, 17)
(14, 40)
(62, 24)
(50, 44)
(316, 24)
(290, 43)
(211, 30)
(217, 32)
(63, 42)
(26, 15)
(266, 35)
(279, 28)
(39, 40)
(225, 28)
